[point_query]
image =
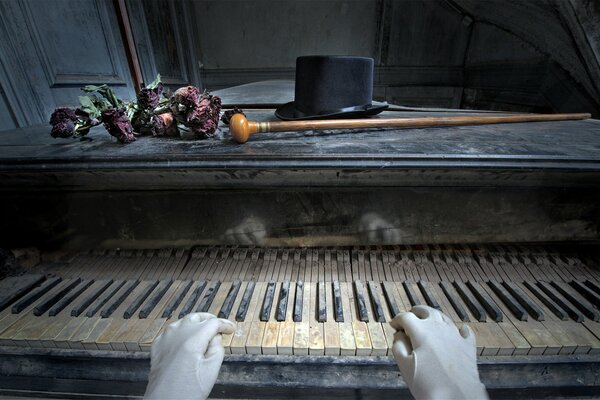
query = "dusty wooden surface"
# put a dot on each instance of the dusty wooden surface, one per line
(553, 142)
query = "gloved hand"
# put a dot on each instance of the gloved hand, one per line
(186, 358)
(437, 360)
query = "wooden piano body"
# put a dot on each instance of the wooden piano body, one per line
(311, 241)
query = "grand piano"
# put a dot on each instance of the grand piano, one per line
(312, 242)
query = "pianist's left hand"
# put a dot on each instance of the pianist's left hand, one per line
(186, 358)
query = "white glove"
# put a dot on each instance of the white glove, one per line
(186, 358)
(437, 361)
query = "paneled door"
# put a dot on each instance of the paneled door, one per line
(49, 49)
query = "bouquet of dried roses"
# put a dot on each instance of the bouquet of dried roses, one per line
(188, 109)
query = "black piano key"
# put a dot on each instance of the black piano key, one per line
(230, 299)
(525, 301)
(16, 287)
(100, 300)
(103, 285)
(177, 299)
(48, 303)
(486, 301)
(454, 302)
(35, 294)
(569, 309)
(376, 302)
(587, 293)
(547, 301)
(470, 301)
(189, 306)
(593, 286)
(361, 305)
(63, 303)
(513, 305)
(240, 316)
(158, 294)
(267, 304)
(209, 297)
(322, 302)
(427, 292)
(388, 292)
(412, 296)
(338, 310)
(578, 301)
(119, 298)
(137, 302)
(282, 302)
(298, 301)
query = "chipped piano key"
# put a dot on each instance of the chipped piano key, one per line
(470, 301)
(547, 301)
(34, 295)
(42, 307)
(177, 299)
(410, 293)
(120, 296)
(68, 299)
(573, 313)
(267, 302)
(492, 309)
(375, 301)
(137, 302)
(513, 305)
(361, 306)
(243, 309)
(298, 301)
(388, 291)
(587, 293)
(427, 292)
(14, 288)
(100, 299)
(578, 301)
(230, 299)
(452, 297)
(338, 309)
(321, 302)
(524, 300)
(209, 296)
(189, 305)
(282, 302)
(157, 295)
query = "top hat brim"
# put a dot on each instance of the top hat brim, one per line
(288, 112)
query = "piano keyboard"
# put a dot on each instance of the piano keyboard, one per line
(334, 301)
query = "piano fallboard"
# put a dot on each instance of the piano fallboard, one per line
(304, 315)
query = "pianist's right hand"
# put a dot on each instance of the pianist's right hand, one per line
(187, 357)
(436, 360)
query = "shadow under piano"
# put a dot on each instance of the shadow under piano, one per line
(311, 242)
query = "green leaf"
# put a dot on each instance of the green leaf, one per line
(105, 91)
(87, 105)
(154, 83)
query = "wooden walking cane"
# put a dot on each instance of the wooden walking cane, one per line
(241, 129)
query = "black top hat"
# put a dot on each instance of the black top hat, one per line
(332, 87)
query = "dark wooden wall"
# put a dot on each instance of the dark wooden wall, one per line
(502, 54)
(540, 56)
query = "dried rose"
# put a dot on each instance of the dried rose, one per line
(199, 112)
(63, 129)
(205, 118)
(118, 125)
(61, 114)
(148, 99)
(184, 99)
(164, 125)
(226, 117)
